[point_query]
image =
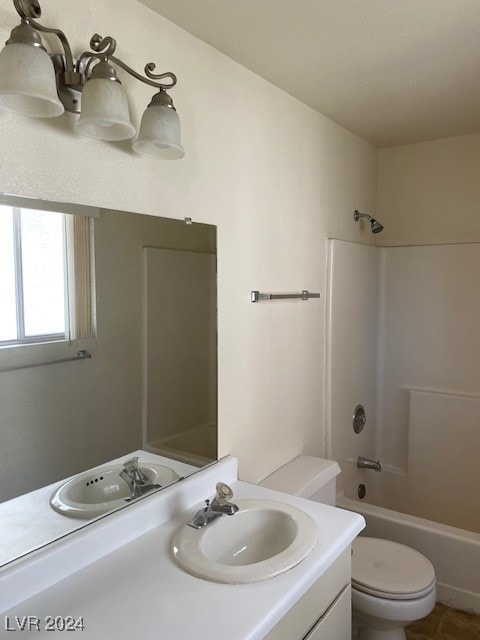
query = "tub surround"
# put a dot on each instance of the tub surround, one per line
(126, 557)
(412, 361)
(413, 325)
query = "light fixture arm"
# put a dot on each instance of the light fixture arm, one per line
(30, 9)
(151, 77)
(104, 49)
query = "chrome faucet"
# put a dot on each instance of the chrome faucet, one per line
(139, 483)
(366, 463)
(219, 506)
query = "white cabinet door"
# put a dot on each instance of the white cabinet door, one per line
(336, 624)
(316, 603)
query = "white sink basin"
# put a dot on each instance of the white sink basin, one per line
(263, 539)
(95, 492)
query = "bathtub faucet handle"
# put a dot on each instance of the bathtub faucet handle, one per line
(366, 463)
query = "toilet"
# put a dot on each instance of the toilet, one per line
(392, 584)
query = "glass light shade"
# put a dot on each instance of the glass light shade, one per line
(27, 82)
(159, 135)
(104, 114)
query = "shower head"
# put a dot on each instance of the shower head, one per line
(375, 225)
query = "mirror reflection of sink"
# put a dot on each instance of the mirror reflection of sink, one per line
(263, 539)
(93, 493)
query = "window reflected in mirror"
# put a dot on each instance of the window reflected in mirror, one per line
(45, 276)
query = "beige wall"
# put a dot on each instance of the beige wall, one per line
(429, 193)
(276, 177)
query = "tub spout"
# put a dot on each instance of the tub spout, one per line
(366, 463)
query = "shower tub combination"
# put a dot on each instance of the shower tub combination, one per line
(454, 552)
(411, 359)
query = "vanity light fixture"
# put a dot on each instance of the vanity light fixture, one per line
(36, 84)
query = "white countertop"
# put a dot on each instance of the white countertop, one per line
(28, 522)
(138, 590)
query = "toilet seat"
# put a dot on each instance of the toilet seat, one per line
(390, 570)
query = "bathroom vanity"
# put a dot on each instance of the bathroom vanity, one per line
(118, 576)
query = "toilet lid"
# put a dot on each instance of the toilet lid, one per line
(390, 570)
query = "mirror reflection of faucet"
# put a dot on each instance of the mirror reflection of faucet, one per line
(220, 505)
(366, 463)
(139, 483)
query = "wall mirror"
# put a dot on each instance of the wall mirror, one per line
(151, 380)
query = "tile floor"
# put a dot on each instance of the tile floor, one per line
(445, 624)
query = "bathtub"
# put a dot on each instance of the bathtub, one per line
(455, 553)
(196, 446)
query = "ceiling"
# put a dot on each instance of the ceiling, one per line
(391, 71)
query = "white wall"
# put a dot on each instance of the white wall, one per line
(276, 177)
(428, 193)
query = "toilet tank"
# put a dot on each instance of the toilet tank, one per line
(306, 477)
